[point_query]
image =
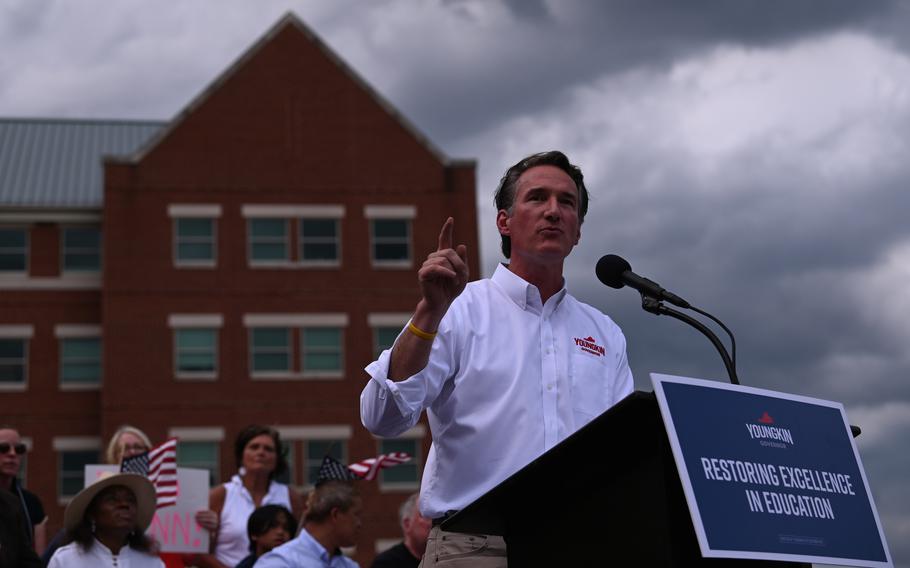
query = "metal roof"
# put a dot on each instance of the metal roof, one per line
(58, 162)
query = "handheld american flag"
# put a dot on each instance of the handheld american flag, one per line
(369, 468)
(160, 465)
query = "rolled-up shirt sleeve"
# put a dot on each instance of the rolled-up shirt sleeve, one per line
(387, 407)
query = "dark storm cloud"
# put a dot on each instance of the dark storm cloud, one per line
(549, 48)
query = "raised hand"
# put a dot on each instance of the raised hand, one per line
(444, 273)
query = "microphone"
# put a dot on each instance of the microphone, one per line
(616, 272)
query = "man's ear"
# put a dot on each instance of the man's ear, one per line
(502, 222)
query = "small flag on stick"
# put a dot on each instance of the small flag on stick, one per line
(368, 469)
(160, 465)
(333, 470)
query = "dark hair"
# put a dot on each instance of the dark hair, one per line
(254, 430)
(332, 494)
(267, 517)
(505, 193)
(82, 533)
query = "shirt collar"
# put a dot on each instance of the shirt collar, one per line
(311, 543)
(522, 292)
(238, 481)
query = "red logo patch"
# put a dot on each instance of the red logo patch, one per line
(766, 418)
(589, 344)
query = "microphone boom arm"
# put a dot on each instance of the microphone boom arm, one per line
(657, 308)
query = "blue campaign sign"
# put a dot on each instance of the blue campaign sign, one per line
(769, 475)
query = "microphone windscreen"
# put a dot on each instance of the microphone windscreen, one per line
(610, 268)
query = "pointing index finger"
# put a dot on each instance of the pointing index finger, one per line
(445, 235)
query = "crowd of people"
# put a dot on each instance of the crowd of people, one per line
(473, 356)
(252, 519)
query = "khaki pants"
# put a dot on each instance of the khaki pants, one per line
(455, 550)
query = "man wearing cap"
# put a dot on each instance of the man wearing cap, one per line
(332, 521)
(498, 363)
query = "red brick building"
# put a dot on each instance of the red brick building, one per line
(239, 264)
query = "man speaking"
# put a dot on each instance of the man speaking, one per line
(506, 367)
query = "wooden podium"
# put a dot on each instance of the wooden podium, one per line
(607, 495)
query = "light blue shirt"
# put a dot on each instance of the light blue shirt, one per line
(303, 552)
(508, 378)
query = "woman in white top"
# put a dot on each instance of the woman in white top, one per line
(260, 458)
(105, 525)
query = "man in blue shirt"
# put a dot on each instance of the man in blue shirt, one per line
(332, 521)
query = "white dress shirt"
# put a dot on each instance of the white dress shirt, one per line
(99, 556)
(508, 378)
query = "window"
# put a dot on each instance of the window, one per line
(13, 361)
(195, 344)
(321, 350)
(73, 454)
(391, 240)
(195, 234)
(316, 450)
(386, 326)
(402, 476)
(288, 477)
(71, 478)
(194, 241)
(384, 338)
(196, 352)
(311, 444)
(319, 241)
(13, 250)
(290, 236)
(268, 241)
(296, 346)
(201, 455)
(270, 350)
(81, 249)
(390, 234)
(80, 361)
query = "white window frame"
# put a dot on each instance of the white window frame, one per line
(179, 211)
(318, 263)
(286, 262)
(63, 249)
(416, 433)
(405, 213)
(62, 444)
(294, 215)
(25, 333)
(79, 331)
(207, 434)
(298, 322)
(27, 252)
(302, 434)
(178, 322)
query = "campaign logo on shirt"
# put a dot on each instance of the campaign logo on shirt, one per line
(589, 345)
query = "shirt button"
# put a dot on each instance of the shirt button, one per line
(550, 387)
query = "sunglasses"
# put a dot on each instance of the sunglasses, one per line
(6, 446)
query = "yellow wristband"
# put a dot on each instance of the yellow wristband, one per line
(421, 333)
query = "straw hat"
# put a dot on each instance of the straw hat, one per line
(142, 488)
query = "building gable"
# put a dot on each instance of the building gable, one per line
(289, 111)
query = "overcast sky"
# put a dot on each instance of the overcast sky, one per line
(752, 156)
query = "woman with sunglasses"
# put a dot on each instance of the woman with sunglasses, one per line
(11, 451)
